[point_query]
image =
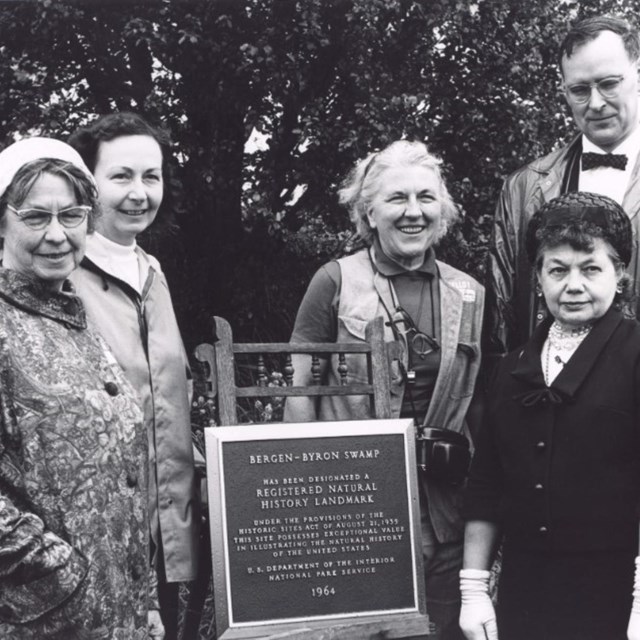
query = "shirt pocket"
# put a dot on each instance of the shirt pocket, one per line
(464, 370)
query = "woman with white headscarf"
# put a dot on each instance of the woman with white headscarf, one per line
(74, 548)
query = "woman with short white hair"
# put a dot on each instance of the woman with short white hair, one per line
(401, 208)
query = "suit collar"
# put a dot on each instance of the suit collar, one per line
(554, 161)
(630, 201)
(552, 167)
(528, 367)
(551, 170)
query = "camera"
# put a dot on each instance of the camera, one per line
(443, 456)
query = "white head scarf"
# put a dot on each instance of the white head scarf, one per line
(20, 153)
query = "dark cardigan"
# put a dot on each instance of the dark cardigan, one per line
(558, 468)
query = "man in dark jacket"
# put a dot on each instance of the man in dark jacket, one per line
(599, 64)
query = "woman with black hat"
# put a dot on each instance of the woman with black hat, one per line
(557, 468)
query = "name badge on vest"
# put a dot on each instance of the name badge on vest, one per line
(464, 287)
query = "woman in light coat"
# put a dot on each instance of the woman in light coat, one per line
(128, 302)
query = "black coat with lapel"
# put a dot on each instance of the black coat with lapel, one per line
(559, 467)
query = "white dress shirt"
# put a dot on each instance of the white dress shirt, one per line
(605, 180)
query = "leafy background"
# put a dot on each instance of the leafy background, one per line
(270, 102)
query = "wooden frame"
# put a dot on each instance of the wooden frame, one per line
(222, 366)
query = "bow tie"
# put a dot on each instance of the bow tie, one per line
(613, 160)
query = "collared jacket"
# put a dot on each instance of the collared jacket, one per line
(558, 467)
(74, 543)
(142, 331)
(513, 310)
(363, 296)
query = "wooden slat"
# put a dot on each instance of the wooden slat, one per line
(321, 390)
(225, 370)
(409, 626)
(301, 347)
(379, 369)
(206, 354)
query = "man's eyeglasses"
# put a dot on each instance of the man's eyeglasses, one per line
(607, 88)
(39, 219)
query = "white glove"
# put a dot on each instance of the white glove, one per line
(633, 630)
(477, 615)
(156, 628)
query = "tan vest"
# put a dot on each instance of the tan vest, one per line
(362, 294)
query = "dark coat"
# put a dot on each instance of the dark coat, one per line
(559, 467)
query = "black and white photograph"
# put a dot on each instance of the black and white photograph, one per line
(319, 320)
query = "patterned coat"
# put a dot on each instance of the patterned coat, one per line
(74, 554)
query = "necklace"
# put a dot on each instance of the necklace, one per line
(552, 366)
(563, 339)
(559, 347)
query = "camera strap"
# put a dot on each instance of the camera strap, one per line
(394, 318)
(404, 330)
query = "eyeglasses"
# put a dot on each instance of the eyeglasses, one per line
(421, 344)
(39, 219)
(607, 88)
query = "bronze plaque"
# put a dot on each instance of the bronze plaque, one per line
(313, 524)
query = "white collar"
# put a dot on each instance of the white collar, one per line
(99, 245)
(115, 259)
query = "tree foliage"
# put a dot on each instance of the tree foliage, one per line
(321, 83)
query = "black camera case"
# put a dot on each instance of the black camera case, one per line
(442, 455)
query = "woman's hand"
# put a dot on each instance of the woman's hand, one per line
(477, 615)
(156, 628)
